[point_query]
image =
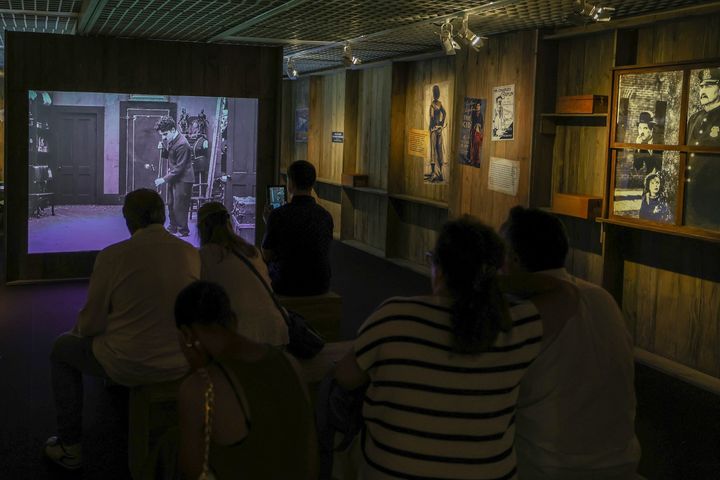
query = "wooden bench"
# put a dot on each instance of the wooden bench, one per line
(323, 312)
(152, 410)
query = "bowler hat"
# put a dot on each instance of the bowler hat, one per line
(646, 117)
(710, 76)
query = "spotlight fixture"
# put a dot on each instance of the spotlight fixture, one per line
(584, 12)
(290, 70)
(476, 42)
(446, 38)
(348, 58)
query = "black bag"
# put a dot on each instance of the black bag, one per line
(304, 341)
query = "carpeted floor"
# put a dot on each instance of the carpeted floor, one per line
(678, 425)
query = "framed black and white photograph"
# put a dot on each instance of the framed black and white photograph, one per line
(644, 188)
(649, 107)
(702, 194)
(703, 126)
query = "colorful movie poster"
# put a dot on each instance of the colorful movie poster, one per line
(436, 117)
(503, 112)
(302, 117)
(472, 132)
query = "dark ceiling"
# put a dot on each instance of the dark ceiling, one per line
(312, 32)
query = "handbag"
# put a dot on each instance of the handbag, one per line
(304, 341)
(206, 473)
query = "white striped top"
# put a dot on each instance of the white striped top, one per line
(430, 412)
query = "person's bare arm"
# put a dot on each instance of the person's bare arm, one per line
(348, 373)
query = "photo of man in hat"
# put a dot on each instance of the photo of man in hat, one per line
(704, 125)
(652, 161)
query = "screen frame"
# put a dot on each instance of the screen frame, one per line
(71, 63)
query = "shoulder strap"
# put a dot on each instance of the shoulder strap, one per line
(252, 268)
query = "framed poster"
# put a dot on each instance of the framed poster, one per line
(436, 118)
(648, 108)
(665, 148)
(472, 132)
(703, 127)
(503, 122)
(301, 124)
(649, 195)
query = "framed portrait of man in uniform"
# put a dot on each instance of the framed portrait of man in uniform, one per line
(703, 126)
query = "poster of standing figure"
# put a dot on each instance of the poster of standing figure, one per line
(646, 194)
(472, 133)
(503, 112)
(437, 118)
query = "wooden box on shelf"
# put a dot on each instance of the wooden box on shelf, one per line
(354, 180)
(582, 104)
(581, 206)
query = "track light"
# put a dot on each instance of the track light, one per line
(348, 58)
(290, 70)
(476, 42)
(446, 38)
(584, 12)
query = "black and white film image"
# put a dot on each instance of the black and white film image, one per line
(646, 185)
(87, 150)
(648, 109)
(703, 127)
(702, 194)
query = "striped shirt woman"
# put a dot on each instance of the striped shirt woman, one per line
(431, 412)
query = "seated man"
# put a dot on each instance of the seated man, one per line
(576, 407)
(126, 330)
(297, 240)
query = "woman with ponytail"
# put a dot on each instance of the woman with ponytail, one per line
(229, 261)
(443, 370)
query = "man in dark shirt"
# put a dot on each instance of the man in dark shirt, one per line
(180, 176)
(297, 239)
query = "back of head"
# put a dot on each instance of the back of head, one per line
(165, 124)
(203, 303)
(214, 228)
(302, 174)
(537, 238)
(470, 254)
(143, 207)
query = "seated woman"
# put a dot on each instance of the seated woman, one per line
(222, 255)
(444, 369)
(260, 419)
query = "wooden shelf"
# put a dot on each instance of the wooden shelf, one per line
(377, 252)
(688, 232)
(327, 181)
(419, 200)
(373, 191)
(574, 115)
(587, 207)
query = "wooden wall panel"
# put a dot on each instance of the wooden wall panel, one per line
(373, 132)
(415, 229)
(370, 219)
(692, 38)
(506, 59)
(673, 315)
(422, 75)
(580, 152)
(334, 209)
(327, 115)
(295, 95)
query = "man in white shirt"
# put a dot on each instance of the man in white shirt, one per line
(126, 330)
(576, 407)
